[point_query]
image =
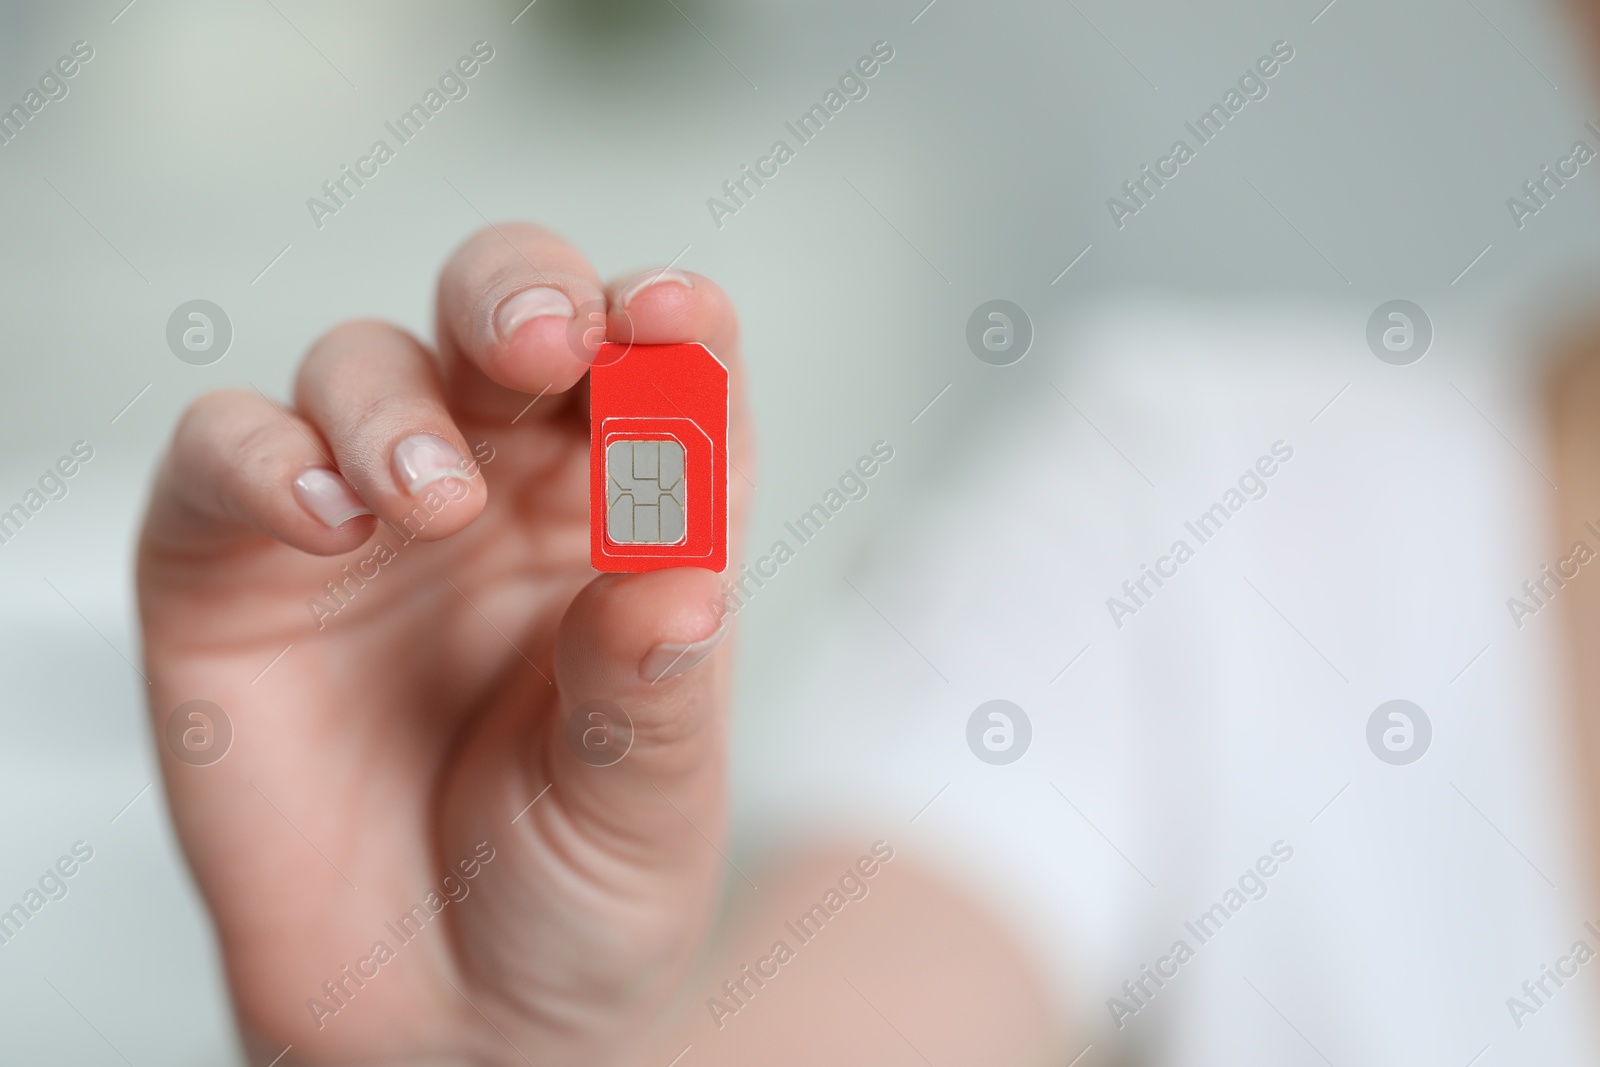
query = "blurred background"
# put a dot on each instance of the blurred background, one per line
(179, 165)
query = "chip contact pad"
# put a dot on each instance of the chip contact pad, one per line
(645, 492)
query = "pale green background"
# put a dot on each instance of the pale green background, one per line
(990, 142)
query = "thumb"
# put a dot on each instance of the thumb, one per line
(639, 739)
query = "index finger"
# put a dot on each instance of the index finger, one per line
(509, 300)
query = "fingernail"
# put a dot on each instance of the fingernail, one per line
(669, 660)
(423, 459)
(528, 305)
(655, 277)
(329, 497)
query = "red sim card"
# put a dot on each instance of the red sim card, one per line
(658, 458)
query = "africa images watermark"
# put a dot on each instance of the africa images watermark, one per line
(1252, 86)
(852, 86)
(352, 978)
(1539, 592)
(52, 87)
(852, 886)
(52, 485)
(1139, 991)
(343, 588)
(1543, 187)
(52, 886)
(453, 85)
(1536, 992)
(852, 485)
(1252, 485)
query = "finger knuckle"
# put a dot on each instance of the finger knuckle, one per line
(352, 338)
(207, 416)
(256, 445)
(518, 231)
(671, 723)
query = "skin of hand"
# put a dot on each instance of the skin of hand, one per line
(394, 745)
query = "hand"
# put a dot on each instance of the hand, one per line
(436, 633)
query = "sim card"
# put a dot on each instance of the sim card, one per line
(658, 458)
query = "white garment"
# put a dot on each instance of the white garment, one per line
(1215, 722)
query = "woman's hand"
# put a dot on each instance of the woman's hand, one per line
(386, 588)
